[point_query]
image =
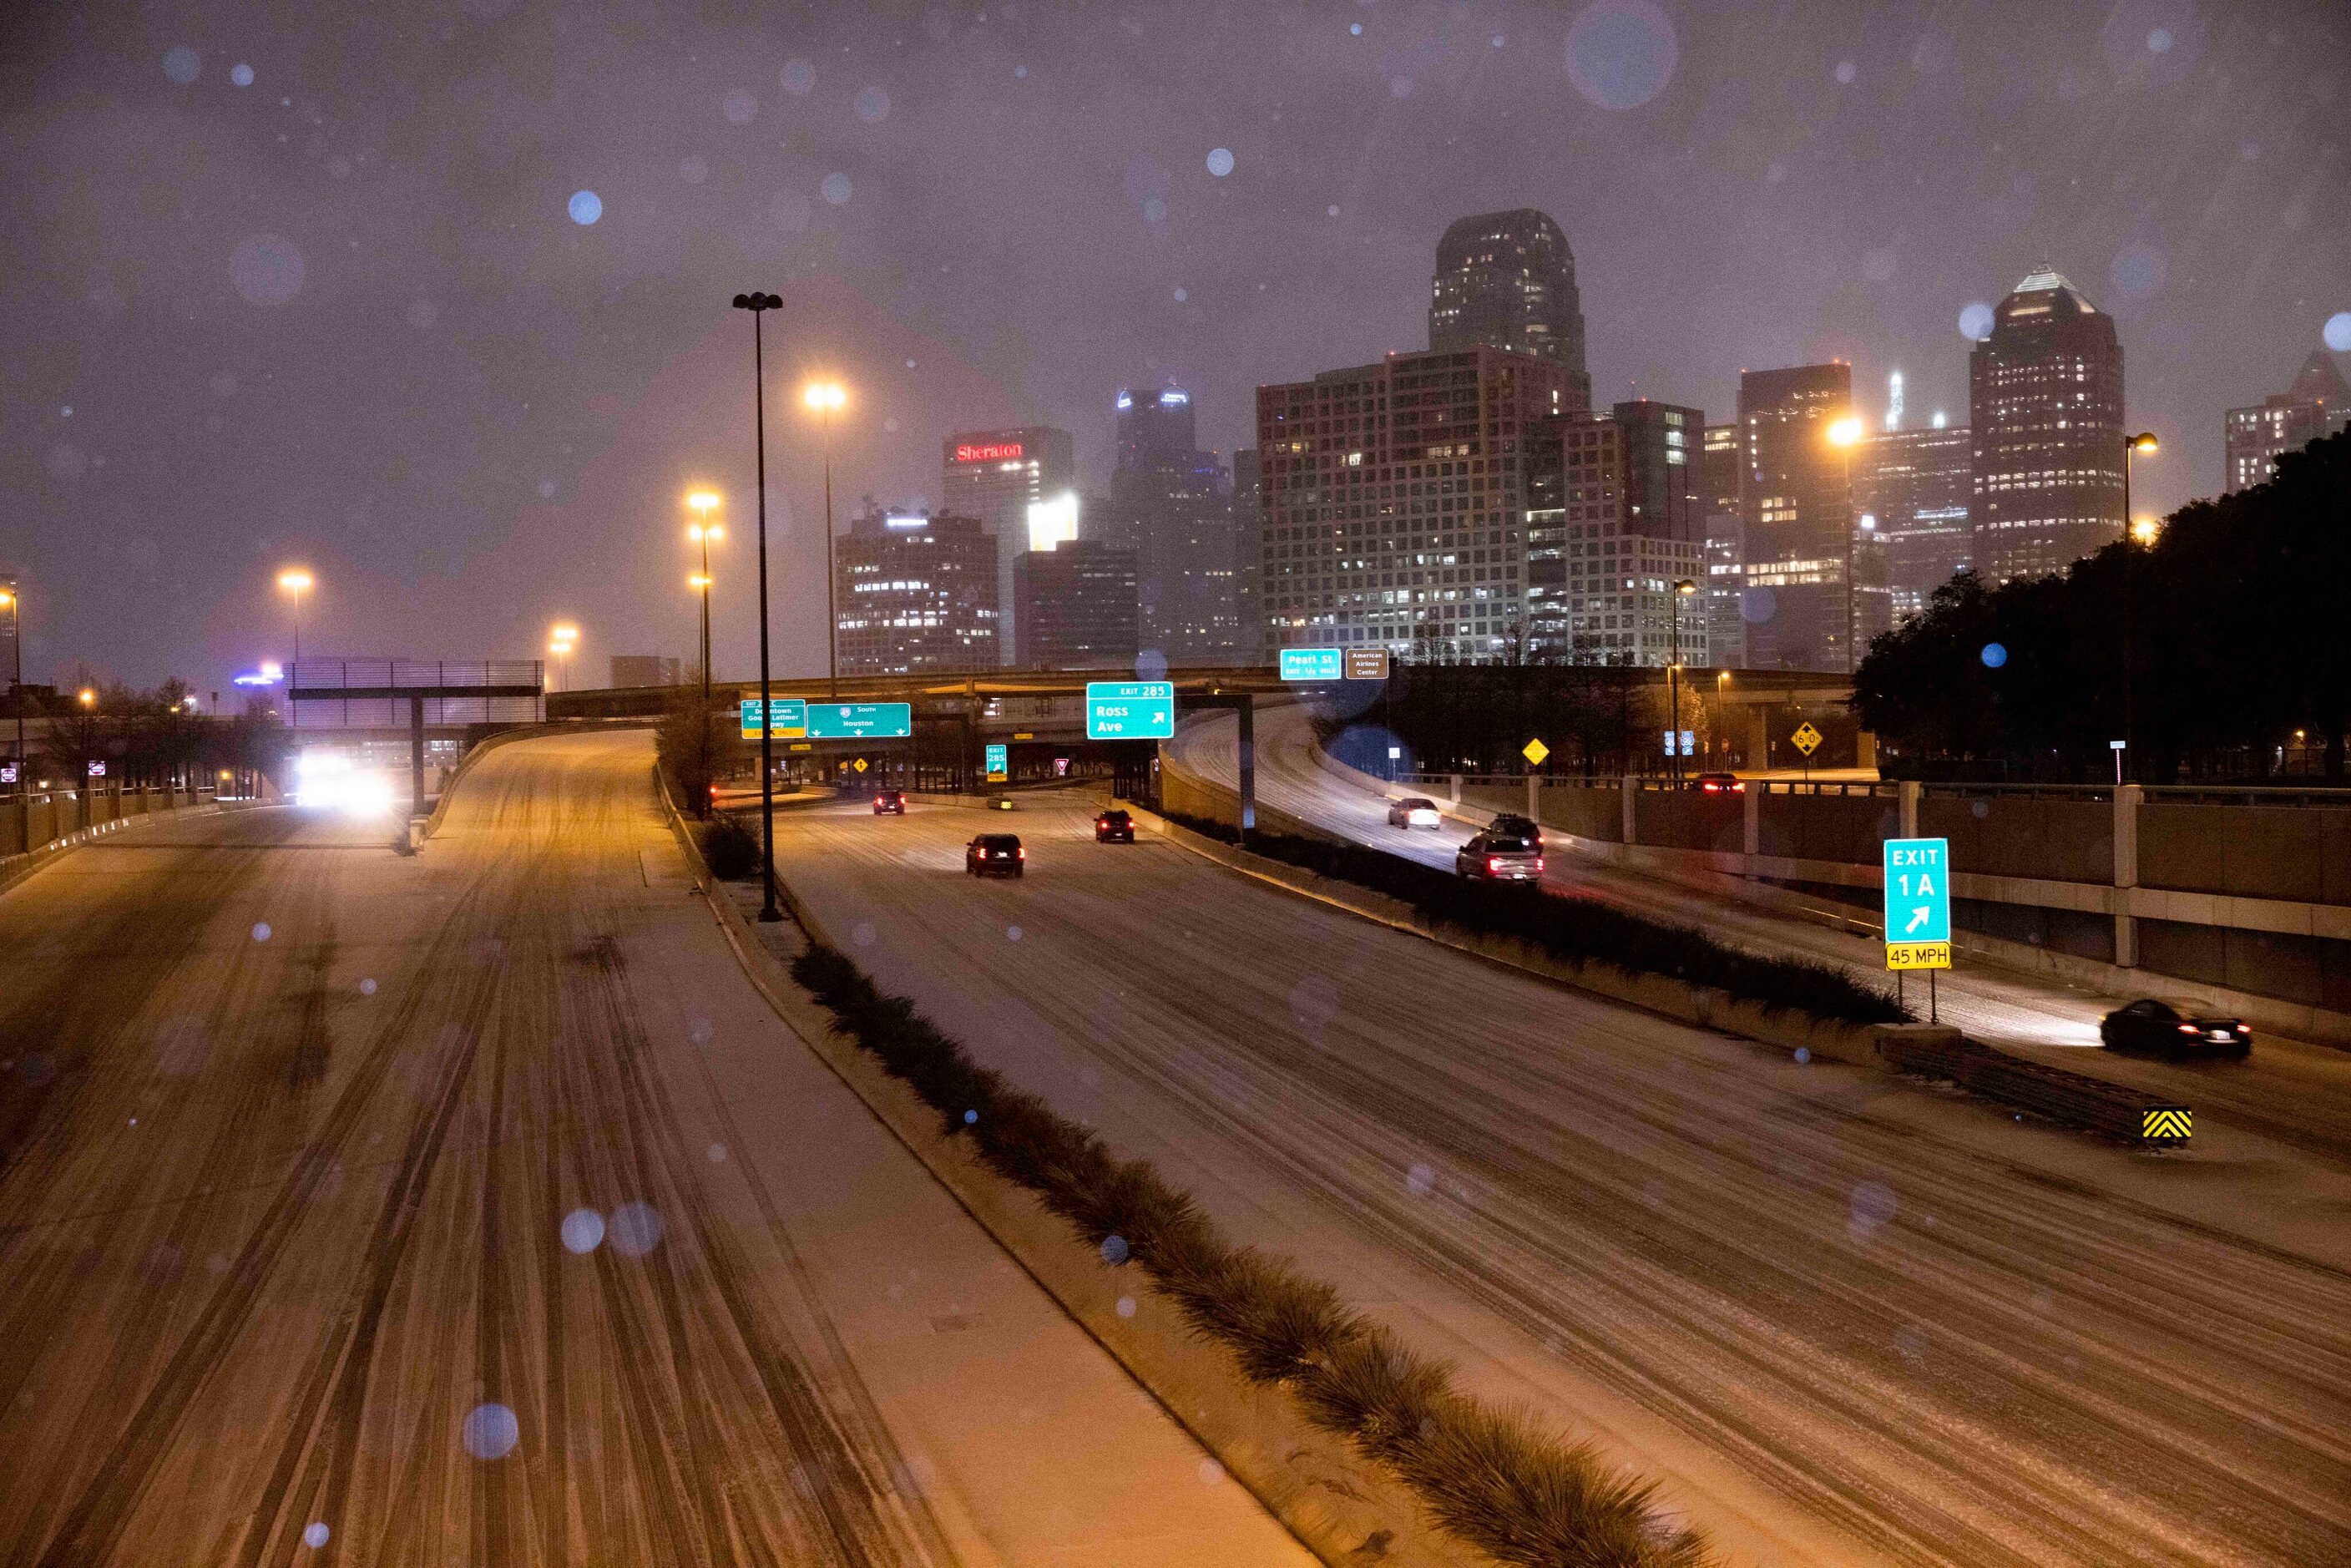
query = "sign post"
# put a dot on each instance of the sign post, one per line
(1807, 740)
(1917, 909)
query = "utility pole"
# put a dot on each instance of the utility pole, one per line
(758, 304)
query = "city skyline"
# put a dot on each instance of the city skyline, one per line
(461, 349)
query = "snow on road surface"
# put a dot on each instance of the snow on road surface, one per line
(1844, 1320)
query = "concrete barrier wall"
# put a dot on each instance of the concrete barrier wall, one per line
(2300, 852)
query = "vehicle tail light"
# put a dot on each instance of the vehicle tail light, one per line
(1021, 854)
(1493, 864)
(1738, 787)
(1538, 862)
(2188, 1029)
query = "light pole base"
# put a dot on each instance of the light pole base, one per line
(767, 914)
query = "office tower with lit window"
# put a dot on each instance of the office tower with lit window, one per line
(1802, 600)
(2046, 405)
(1392, 500)
(998, 476)
(1612, 523)
(2317, 404)
(1077, 607)
(1916, 485)
(1726, 547)
(1508, 279)
(1171, 503)
(1249, 530)
(915, 594)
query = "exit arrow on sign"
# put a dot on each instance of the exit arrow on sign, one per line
(1919, 915)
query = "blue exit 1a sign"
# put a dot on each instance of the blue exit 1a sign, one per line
(1129, 710)
(787, 716)
(1312, 665)
(1918, 904)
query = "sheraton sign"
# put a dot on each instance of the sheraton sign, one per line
(986, 452)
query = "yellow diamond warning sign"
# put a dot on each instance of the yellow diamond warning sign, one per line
(1806, 737)
(1534, 751)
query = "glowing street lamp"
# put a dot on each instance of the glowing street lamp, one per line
(702, 530)
(2145, 441)
(561, 638)
(11, 600)
(826, 399)
(296, 581)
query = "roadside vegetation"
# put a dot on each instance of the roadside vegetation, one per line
(730, 848)
(1490, 1478)
(1578, 930)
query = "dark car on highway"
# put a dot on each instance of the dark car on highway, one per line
(1500, 857)
(995, 854)
(889, 800)
(2175, 1027)
(1114, 827)
(1718, 784)
(1511, 825)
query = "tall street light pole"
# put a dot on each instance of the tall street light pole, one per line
(2132, 539)
(1843, 434)
(826, 398)
(9, 596)
(297, 582)
(702, 531)
(759, 304)
(1683, 589)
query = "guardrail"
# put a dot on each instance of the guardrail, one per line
(2069, 1098)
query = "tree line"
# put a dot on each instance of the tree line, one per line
(2219, 649)
(145, 739)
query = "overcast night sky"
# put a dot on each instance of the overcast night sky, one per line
(311, 283)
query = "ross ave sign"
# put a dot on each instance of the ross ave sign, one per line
(1129, 710)
(1918, 904)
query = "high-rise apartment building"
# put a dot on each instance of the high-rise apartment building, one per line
(915, 594)
(1508, 279)
(1813, 587)
(996, 476)
(1612, 526)
(1249, 530)
(1077, 607)
(2045, 404)
(1392, 500)
(2317, 404)
(1916, 485)
(1171, 503)
(1726, 547)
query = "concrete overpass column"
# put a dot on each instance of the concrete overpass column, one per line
(1907, 793)
(1752, 809)
(2126, 804)
(416, 755)
(1759, 737)
(1628, 803)
(1453, 788)
(1534, 797)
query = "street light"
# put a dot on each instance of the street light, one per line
(702, 530)
(1683, 589)
(1843, 435)
(561, 638)
(2131, 446)
(15, 605)
(295, 581)
(758, 305)
(826, 399)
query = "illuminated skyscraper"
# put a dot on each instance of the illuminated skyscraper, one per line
(2317, 404)
(1392, 501)
(1612, 524)
(915, 595)
(1172, 504)
(1726, 547)
(1803, 605)
(1916, 485)
(996, 476)
(1509, 279)
(2045, 399)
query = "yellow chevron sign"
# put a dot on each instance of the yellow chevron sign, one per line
(2177, 1121)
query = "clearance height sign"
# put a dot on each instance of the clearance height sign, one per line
(1918, 904)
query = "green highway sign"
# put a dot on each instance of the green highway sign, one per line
(1918, 904)
(785, 717)
(1129, 710)
(999, 763)
(859, 721)
(1312, 665)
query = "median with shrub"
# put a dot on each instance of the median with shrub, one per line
(1577, 930)
(1490, 1478)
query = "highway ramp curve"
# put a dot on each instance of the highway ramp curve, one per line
(473, 1207)
(1842, 1320)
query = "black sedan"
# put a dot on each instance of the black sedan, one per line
(995, 854)
(889, 801)
(1114, 827)
(2175, 1027)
